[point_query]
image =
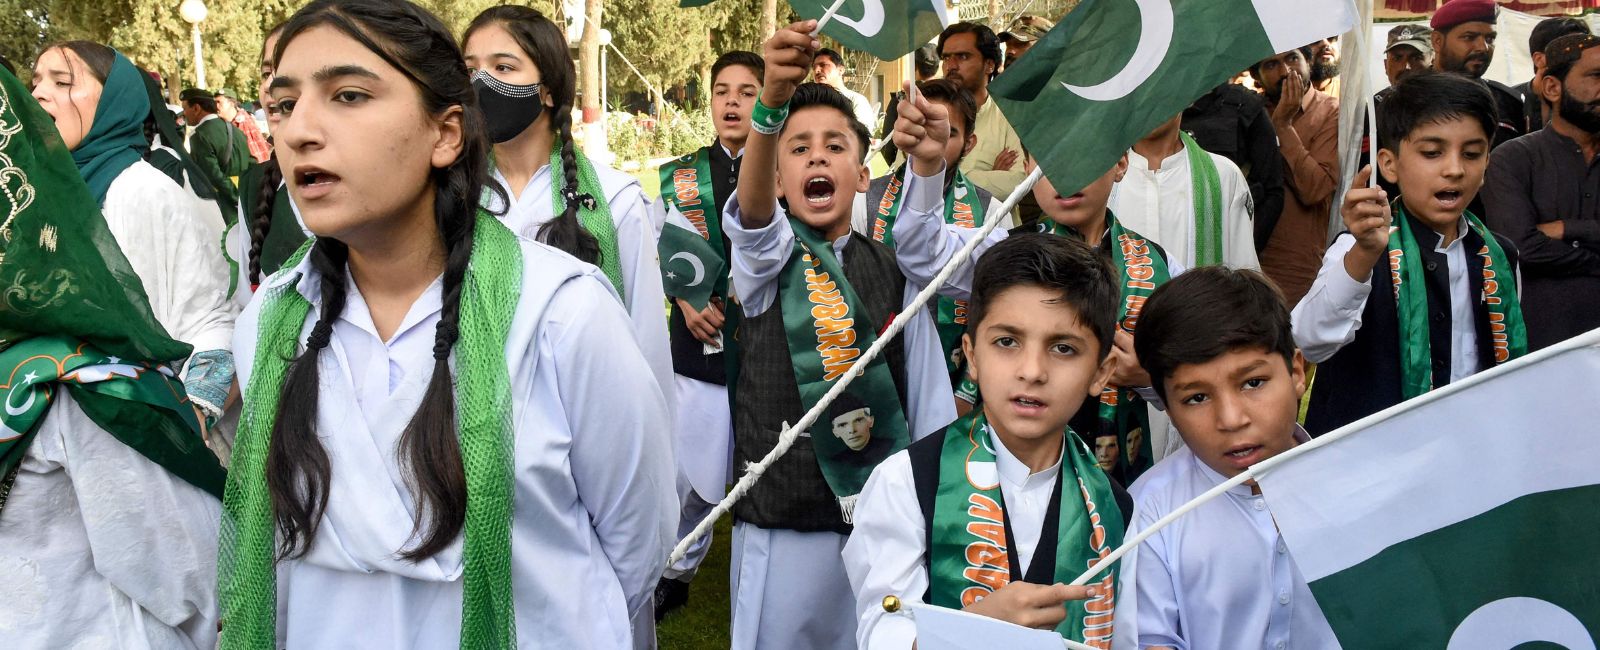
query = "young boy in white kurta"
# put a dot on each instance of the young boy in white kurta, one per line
(1218, 346)
(997, 512)
(801, 273)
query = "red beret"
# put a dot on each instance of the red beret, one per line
(1455, 12)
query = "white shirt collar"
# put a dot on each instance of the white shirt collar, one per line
(207, 118)
(1014, 472)
(1461, 233)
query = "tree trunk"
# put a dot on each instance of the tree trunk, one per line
(769, 18)
(589, 77)
(589, 61)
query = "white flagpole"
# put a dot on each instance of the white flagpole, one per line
(1372, 142)
(827, 16)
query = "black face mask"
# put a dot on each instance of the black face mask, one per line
(508, 109)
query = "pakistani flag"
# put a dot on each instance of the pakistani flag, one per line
(691, 267)
(1113, 70)
(888, 29)
(1464, 519)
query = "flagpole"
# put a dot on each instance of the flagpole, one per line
(827, 16)
(791, 433)
(1263, 467)
(1372, 142)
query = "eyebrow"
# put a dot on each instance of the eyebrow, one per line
(325, 75)
(1254, 366)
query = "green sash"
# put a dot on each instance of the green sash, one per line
(163, 427)
(950, 315)
(1207, 186)
(1140, 269)
(1510, 337)
(594, 214)
(689, 258)
(969, 558)
(246, 567)
(822, 318)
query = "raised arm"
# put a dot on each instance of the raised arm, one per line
(788, 57)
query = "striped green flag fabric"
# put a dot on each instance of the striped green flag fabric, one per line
(1113, 70)
(1466, 519)
(888, 29)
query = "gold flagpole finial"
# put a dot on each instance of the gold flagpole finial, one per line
(891, 603)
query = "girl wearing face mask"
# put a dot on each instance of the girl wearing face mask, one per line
(267, 230)
(172, 238)
(449, 438)
(525, 83)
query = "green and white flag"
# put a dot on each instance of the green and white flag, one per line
(888, 29)
(691, 267)
(1466, 519)
(1113, 70)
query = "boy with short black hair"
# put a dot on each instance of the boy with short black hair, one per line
(695, 187)
(1454, 309)
(1218, 345)
(814, 297)
(1001, 509)
(1139, 263)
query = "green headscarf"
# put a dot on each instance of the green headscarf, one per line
(116, 138)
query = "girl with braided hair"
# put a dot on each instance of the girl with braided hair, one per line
(526, 86)
(432, 452)
(267, 230)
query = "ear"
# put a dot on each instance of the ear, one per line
(1437, 39)
(1102, 375)
(1550, 89)
(966, 353)
(972, 141)
(1121, 169)
(449, 137)
(1388, 165)
(1297, 374)
(863, 179)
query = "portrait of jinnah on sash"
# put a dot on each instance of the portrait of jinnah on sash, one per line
(852, 421)
(1106, 450)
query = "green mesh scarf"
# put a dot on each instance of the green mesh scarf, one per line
(593, 211)
(246, 573)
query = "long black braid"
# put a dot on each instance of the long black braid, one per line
(261, 213)
(565, 231)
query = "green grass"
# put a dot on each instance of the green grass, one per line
(703, 623)
(649, 182)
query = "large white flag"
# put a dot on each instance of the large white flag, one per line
(1468, 518)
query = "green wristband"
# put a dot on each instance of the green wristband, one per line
(768, 121)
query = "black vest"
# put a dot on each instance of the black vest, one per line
(688, 353)
(793, 493)
(1364, 376)
(924, 456)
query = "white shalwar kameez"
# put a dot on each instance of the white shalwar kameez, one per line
(176, 250)
(594, 511)
(102, 548)
(789, 587)
(638, 222)
(1159, 204)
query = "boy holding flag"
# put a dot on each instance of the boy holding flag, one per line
(966, 205)
(1454, 308)
(997, 512)
(695, 188)
(814, 296)
(1217, 344)
(1140, 265)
